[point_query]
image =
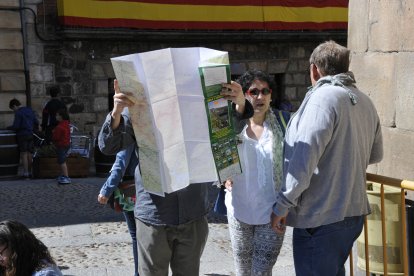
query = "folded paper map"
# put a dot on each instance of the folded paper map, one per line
(171, 118)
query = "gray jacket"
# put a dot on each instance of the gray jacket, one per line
(328, 145)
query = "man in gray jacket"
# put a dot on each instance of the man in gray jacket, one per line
(329, 143)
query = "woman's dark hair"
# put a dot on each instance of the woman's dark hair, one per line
(63, 113)
(250, 76)
(26, 251)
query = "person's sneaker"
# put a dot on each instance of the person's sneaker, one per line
(64, 180)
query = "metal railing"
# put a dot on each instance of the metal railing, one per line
(403, 185)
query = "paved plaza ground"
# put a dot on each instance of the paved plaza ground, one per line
(87, 238)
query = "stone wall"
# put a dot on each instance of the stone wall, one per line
(12, 78)
(80, 64)
(382, 48)
(83, 71)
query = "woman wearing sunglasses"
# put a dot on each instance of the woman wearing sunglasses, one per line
(21, 253)
(251, 195)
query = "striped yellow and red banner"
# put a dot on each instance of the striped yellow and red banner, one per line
(206, 14)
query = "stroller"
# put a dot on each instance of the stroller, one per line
(44, 157)
(79, 144)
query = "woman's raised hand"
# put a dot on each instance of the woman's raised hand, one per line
(233, 92)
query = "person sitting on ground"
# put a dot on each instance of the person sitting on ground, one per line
(49, 121)
(25, 122)
(21, 253)
(61, 140)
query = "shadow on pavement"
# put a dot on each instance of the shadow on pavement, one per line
(44, 203)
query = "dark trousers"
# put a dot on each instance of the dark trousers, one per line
(132, 228)
(323, 250)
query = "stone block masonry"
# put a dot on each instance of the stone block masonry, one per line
(11, 40)
(9, 3)
(382, 47)
(9, 20)
(12, 80)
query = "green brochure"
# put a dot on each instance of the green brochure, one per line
(219, 112)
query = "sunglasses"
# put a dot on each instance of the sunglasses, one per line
(254, 92)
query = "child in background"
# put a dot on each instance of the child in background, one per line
(61, 140)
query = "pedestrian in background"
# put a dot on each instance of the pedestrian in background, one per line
(22, 254)
(49, 121)
(61, 140)
(25, 122)
(286, 105)
(251, 195)
(123, 169)
(329, 143)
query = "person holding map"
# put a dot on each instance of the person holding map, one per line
(251, 195)
(172, 229)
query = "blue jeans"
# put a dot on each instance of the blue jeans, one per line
(130, 220)
(323, 250)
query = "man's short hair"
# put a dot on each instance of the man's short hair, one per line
(14, 102)
(54, 91)
(330, 58)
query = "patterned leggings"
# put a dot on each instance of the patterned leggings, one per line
(255, 247)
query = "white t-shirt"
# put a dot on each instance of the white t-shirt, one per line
(253, 193)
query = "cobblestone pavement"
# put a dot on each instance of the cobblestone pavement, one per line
(86, 238)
